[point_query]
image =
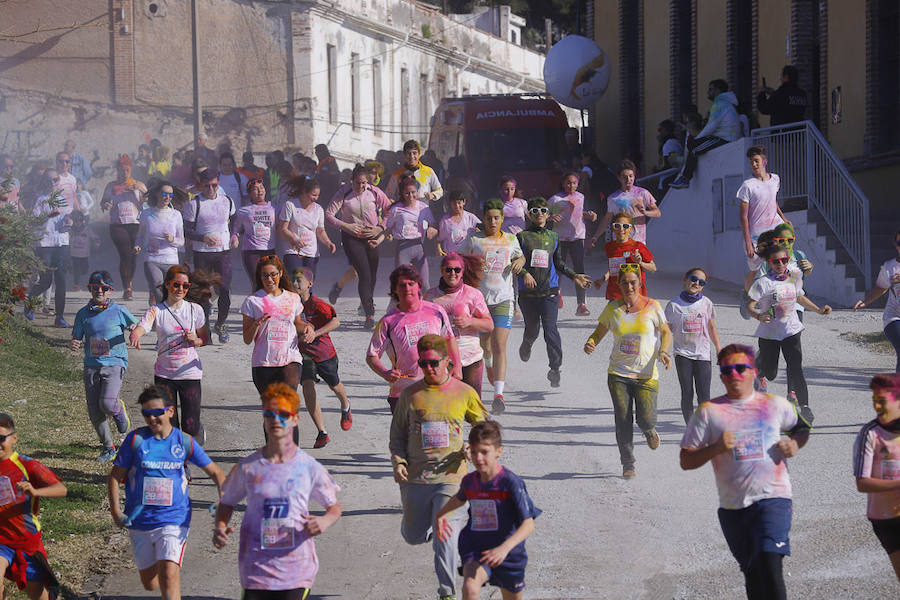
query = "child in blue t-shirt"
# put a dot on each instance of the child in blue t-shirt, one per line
(501, 516)
(151, 462)
(100, 327)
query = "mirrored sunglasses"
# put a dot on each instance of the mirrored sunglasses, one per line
(625, 226)
(729, 369)
(153, 412)
(697, 280)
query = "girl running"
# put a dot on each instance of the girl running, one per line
(160, 235)
(456, 225)
(888, 280)
(407, 221)
(569, 216)
(254, 223)
(301, 224)
(122, 198)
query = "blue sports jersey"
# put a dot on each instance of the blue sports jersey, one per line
(103, 332)
(156, 478)
(496, 509)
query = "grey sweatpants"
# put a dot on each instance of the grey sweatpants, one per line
(421, 504)
(101, 390)
(412, 252)
(155, 272)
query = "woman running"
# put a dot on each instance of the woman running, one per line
(358, 213)
(783, 235)
(569, 216)
(641, 337)
(502, 257)
(180, 329)
(888, 280)
(160, 235)
(456, 225)
(515, 210)
(273, 322)
(301, 224)
(254, 223)
(457, 292)
(408, 221)
(773, 300)
(122, 198)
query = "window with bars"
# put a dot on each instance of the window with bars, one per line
(631, 74)
(376, 96)
(682, 55)
(331, 57)
(883, 76)
(354, 91)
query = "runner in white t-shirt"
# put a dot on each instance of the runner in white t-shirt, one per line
(631, 199)
(888, 281)
(301, 224)
(456, 225)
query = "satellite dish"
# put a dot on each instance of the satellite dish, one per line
(576, 71)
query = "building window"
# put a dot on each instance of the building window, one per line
(424, 113)
(631, 74)
(682, 55)
(883, 76)
(809, 53)
(404, 102)
(354, 91)
(741, 54)
(441, 88)
(331, 56)
(376, 96)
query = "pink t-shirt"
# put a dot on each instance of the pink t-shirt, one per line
(276, 550)
(126, 203)
(627, 202)
(175, 359)
(68, 185)
(451, 234)
(876, 454)
(514, 218)
(303, 222)
(407, 223)
(755, 469)
(276, 343)
(397, 334)
(367, 208)
(762, 210)
(571, 208)
(467, 301)
(255, 223)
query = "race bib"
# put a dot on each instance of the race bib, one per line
(410, 231)
(99, 346)
(216, 240)
(540, 259)
(157, 491)
(748, 445)
(262, 232)
(175, 349)
(7, 494)
(435, 434)
(278, 331)
(495, 261)
(614, 264)
(785, 300)
(307, 237)
(692, 323)
(457, 235)
(484, 515)
(414, 331)
(127, 211)
(630, 344)
(890, 469)
(276, 528)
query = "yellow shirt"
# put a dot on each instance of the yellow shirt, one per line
(637, 338)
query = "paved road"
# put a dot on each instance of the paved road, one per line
(600, 536)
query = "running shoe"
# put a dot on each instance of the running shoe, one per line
(524, 351)
(321, 440)
(346, 419)
(107, 455)
(680, 183)
(743, 307)
(447, 597)
(127, 295)
(334, 293)
(762, 385)
(499, 405)
(560, 301)
(582, 311)
(628, 473)
(61, 323)
(554, 376)
(652, 439)
(360, 310)
(222, 332)
(369, 324)
(123, 423)
(29, 314)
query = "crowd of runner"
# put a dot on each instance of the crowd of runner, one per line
(500, 260)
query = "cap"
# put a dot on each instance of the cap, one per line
(101, 278)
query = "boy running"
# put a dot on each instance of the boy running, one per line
(151, 462)
(501, 517)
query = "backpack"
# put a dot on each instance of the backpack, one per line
(197, 202)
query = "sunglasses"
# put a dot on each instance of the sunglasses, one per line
(281, 415)
(99, 286)
(452, 269)
(154, 412)
(697, 280)
(254, 182)
(274, 275)
(169, 195)
(210, 185)
(629, 268)
(268, 257)
(625, 226)
(177, 285)
(539, 210)
(779, 261)
(433, 363)
(727, 370)
(3, 438)
(783, 240)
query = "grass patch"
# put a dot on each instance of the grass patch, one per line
(42, 389)
(875, 341)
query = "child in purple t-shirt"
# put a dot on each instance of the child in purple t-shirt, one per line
(501, 517)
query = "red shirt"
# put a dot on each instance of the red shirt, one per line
(616, 252)
(318, 312)
(19, 514)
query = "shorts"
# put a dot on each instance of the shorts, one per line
(326, 369)
(153, 545)
(755, 261)
(34, 572)
(502, 313)
(512, 579)
(294, 594)
(761, 527)
(888, 533)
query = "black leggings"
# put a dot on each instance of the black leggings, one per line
(364, 259)
(576, 249)
(764, 580)
(767, 364)
(295, 594)
(250, 258)
(692, 374)
(185, 393)
(289, 374)
(472, 375)
(124, 238)
(56, 260)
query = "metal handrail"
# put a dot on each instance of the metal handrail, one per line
(810, 169)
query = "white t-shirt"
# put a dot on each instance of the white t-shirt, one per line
(55, 230)
(627, 202)
(276, 342)
(888, 271)
(762, 213)
(571, 209)
(672, 146)
(498, 253)
(755, 469)
(211, 219)
(235, 186)
(303, 222)
(408, 223)
(779, 298)
(152, 239)
(175, 359)
(690, 327)
(451, 234)
(69, 186)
